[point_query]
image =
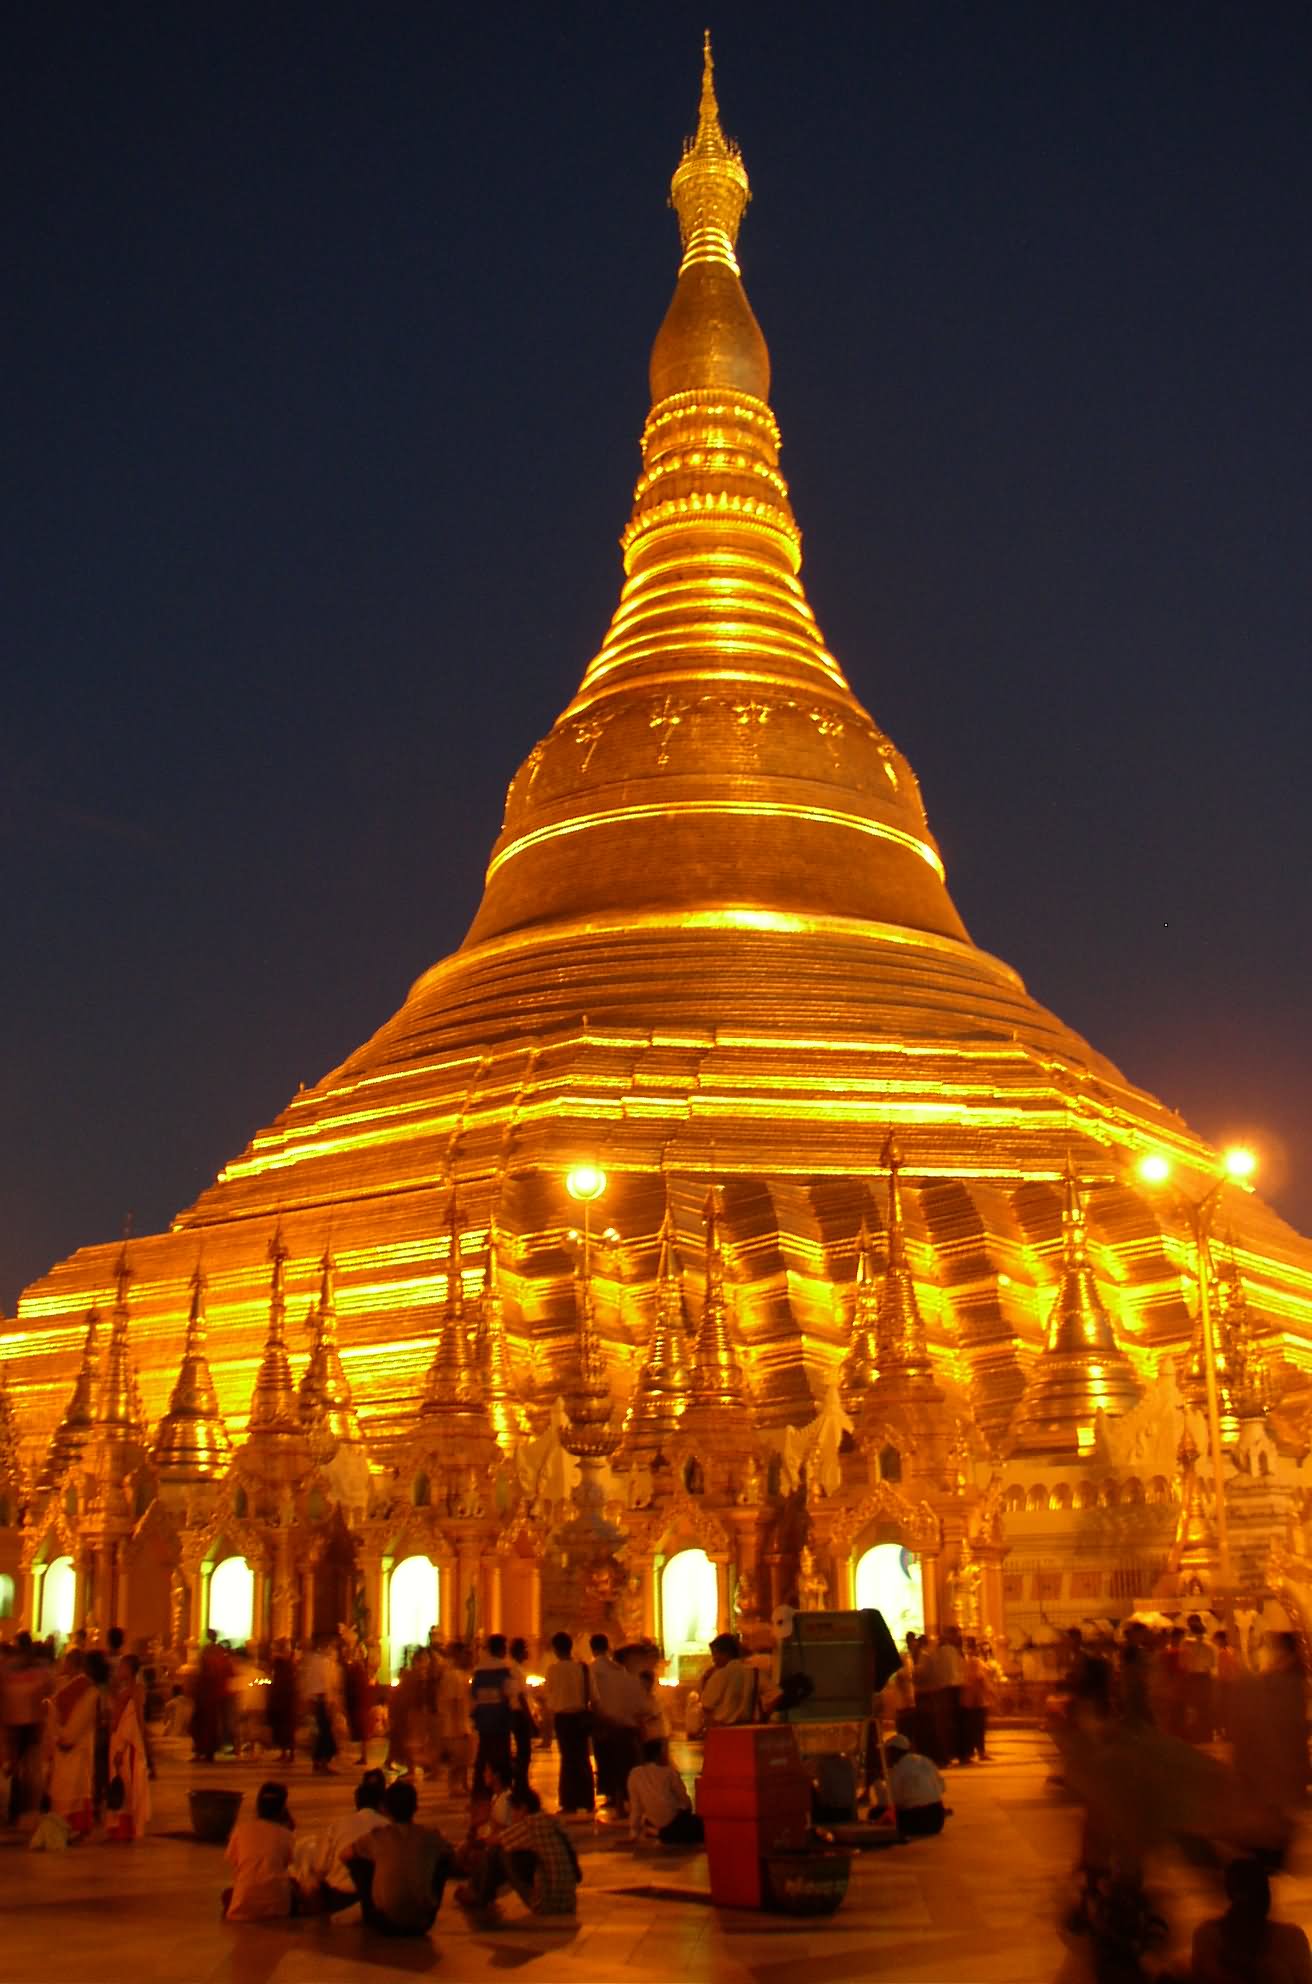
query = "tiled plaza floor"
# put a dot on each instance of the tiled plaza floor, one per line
(978, 1906)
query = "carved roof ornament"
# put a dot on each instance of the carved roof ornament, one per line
(193, 1442)
(273, 1402)
(1082, 1371)
(901, 1346)
(324, 1398)
(661, 1392)
(75, 1428)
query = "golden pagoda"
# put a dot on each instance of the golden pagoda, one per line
(716, 945)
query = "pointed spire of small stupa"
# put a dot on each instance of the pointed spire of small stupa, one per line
(717, 1375)
(78, 1423)
(902, 1351)
(1194, 1549)
(506, 1409)
(1246, 1388)
(453, 1390)
(273, 1402)
(117, 1413)
(193, 1443)
(324, 1397)
(1082, 1371)
(861, 1364)
(660, 1395)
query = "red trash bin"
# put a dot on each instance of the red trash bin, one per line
(755, 1800)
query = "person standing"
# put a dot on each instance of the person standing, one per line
(569, 1697)
(453, 1717)
(976, 1699)
(128, 1801)
(282, 1701)
(73, 1720)
(523, 1727)
(619, 1707)
(23, 1689)
(317, 1684)
(492, 1699)
(213, 1678)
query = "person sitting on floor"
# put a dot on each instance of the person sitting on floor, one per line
(1244, 1943)
(534, 1856)
(659, 1805)
(916, 1789)
(329, 1887)
(259, 1851)
(400, 1870)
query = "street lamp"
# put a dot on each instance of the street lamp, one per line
(1238, 1164)
(585, 1185)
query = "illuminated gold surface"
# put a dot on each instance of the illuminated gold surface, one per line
(1082, 1370)
(715, 943)
(193, 1443)
(660, 1394)
(324, 1396)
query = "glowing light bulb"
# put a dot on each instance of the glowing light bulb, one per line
(1154, 1169)
(585, 1183)
(1239, 1161)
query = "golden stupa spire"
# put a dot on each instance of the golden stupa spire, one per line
(117, 1411)
(901, 1347)
(860, 1367)
(1248, 1390)
(1193, 1551)
(709, 191)
(75, 1428)
(453, 1391)
(273, 1403)
(193, 1443)
(506, 1409)
(588, 1433)
(714, 753)
(324, 1395)
(717, 1375)
(660, 1395)
(1082, 1370)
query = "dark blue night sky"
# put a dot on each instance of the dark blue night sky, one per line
(325, 343)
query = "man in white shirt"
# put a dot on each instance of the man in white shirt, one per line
(659, 1805)
(568, 1692)
(336, 1888)
(619, 1708)
(731, 1690)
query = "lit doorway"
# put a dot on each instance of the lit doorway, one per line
(888, 1579)
(58, 1591)
(232, 1600)
(413, 1606)
(690, 1604)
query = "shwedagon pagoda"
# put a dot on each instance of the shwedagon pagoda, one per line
(872, 1287)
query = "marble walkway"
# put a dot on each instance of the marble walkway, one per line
(980, 1905)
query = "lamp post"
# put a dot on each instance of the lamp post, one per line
(1237, 1166)
(585, 1185)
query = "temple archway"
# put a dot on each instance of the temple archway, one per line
(232, 1600)
(6, 1596)
(690, 1603)
(888, 1579)
(414, 1604)
(58, 1596)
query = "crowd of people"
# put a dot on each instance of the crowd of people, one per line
(1163, 1735)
